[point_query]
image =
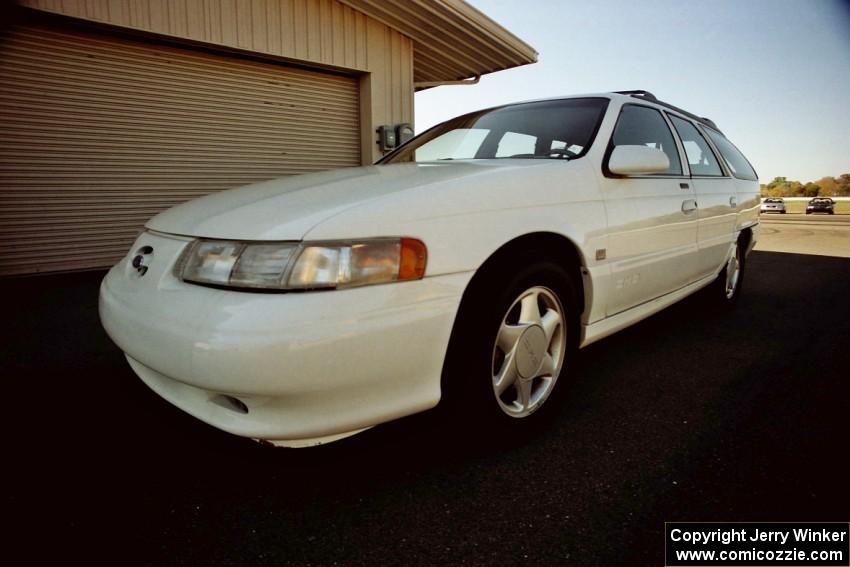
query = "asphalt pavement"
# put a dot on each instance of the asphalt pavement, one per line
(693, 414)
(822, 235)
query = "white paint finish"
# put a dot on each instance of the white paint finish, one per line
(635, 160)
(502, 200)
(316, 365)
(313, 442)
(426, 201)
(749, 201)
(304, 363)
(610, 325)
(596, 281)
(717, 215)
(652, 241)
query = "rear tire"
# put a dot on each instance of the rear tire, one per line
(727, 287)
(512, 347)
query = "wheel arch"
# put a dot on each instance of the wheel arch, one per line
(746, 237)
(554, 246)
(557, 247)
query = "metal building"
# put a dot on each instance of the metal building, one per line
(113, 110)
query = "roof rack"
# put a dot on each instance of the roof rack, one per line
(641, 94)
(646, 95)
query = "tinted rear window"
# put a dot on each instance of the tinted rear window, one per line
(700, 157)
(735, 160)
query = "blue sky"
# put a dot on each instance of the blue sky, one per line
(773, 74)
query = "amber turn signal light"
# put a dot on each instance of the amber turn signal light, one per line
(414, 257)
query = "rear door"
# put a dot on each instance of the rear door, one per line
(715, 195)
(744, 177)
(652, 219)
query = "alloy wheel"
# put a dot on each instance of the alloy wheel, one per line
(528, 353)
(733, 273)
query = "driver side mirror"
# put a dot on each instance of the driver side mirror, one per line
(636, 160)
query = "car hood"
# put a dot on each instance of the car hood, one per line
(287, 208)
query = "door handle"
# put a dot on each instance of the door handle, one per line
(689, 206)
(684, 186)
(733, 201)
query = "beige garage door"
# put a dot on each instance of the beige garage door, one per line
(99, 133)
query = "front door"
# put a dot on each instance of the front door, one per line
(652, 219)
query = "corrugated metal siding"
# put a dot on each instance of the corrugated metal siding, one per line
(320, 32)
(452, 39)
(97, 134)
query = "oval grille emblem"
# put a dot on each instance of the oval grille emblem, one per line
(142, 260)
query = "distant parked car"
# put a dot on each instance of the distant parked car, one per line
(821, 205)
(773, 205)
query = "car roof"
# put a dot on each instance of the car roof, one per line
(624, 97)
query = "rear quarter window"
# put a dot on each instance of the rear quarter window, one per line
(735, 160)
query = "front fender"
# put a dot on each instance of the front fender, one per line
(464, 222)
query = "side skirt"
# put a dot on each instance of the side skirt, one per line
(610, 325)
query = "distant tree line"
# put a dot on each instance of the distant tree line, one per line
(824, 187)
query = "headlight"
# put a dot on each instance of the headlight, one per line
(307, 265)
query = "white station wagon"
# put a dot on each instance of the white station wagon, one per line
(469, 265)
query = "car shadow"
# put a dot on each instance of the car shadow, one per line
(692, 399)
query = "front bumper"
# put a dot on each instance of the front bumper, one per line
(308, 367)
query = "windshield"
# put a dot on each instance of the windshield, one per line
(558, 129)
(773, 200)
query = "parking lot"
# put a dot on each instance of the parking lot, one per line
(692, 415)
(822, 235)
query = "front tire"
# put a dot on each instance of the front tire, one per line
(513, 345)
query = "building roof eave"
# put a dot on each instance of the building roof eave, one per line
(452, 40)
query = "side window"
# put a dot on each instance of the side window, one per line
(700, 157)
(644, 126)
(738, 164)
(515, 144)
